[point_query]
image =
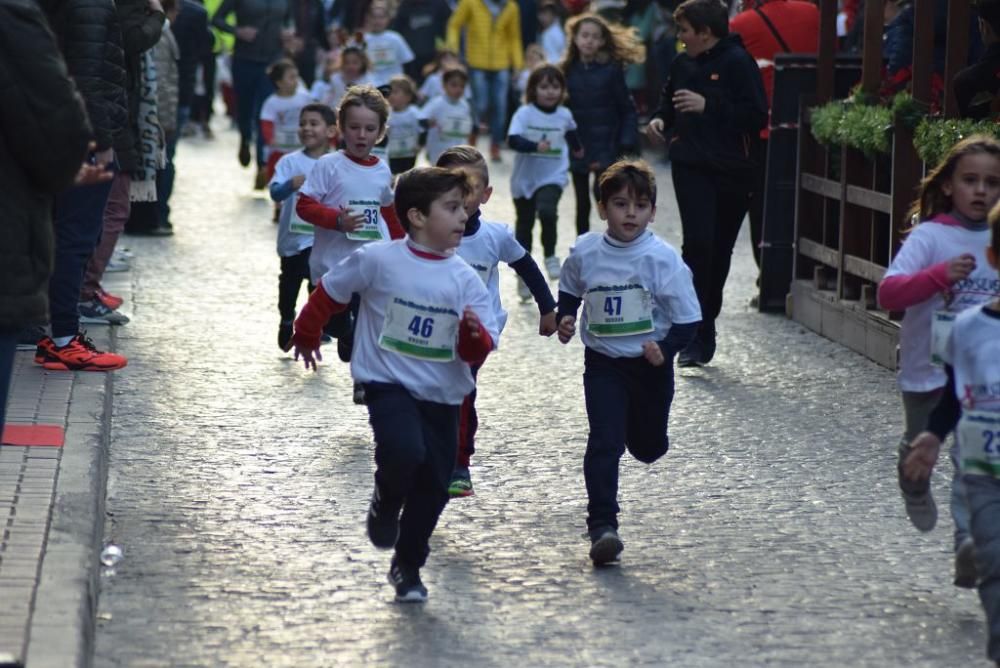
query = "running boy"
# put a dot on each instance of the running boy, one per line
(425, 318)
(317, 126)
(484, 246)
(406, 132)
(640, 308)
(971, 401)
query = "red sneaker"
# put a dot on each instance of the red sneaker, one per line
(80, 354)
(113, 302)
(45, 346)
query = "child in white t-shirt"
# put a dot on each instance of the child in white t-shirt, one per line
(317, 126)
(484, 246)
(348, 197)
(543, 133)
(406, 125)
(353, 71)
(425, 319)
(449, 117)
(386, 49)
(552, 36)
(940, 271)
(279, 115)
(444, 59)
(639, 309)
(970, 405)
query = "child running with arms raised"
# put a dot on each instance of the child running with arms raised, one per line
(971, 402)
(939, 272)
(425, 318)
(639, 309)
(317, 126)
(347, 196)
(484, 245)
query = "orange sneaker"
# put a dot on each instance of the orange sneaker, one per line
(45, 346)
(113, 302)
(80, 354)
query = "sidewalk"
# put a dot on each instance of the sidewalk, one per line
(53, 470)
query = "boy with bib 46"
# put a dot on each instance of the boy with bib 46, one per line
(640, 309)
(425, 317)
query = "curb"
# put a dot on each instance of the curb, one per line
(63, 622)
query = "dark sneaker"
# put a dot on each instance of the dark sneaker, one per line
(285, 336)
(345, 346)
(244, 154)
(706, 337)
(96, 312)
(606, 547)
(406, 580)
(359, 394)
(690, 356)
(383, 522)
(461, 485)
(917, 499)
(966, 573)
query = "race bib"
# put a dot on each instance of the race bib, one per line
(403, 143)
(553, 136)
(941, 325)
(619, 310)
(286, 139)
(979, 443)
(296, 224)
(382, 57)
(369, 230)
(456, 127)
(427, 333)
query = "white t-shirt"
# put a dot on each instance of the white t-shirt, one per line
(553, 41)
(631, 293)
(284, 112)
(404, 133)
(434, 86)
(928, 244)
(388, 52)
(411, 306)
(534, 170)
(339, 182)
(973, 351)
(335, 90)
(294, 234)
(491, 244)
(451, 125)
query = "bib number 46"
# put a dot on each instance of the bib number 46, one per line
(422, 327)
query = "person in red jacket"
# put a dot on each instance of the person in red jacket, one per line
(770, 27)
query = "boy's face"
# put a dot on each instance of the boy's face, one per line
(314, 133)
(454, 87)
(695, 42)
(480, 191)
(361, 131)
(441, 229)
(378, 18)
(548, 93)
(351, 66)
(288, 82)
(628, 215)
(398, 99)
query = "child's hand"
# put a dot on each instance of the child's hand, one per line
(246, 33)
(567, 328)
(544, 146)
(594, 167)
(651, 351)
(349, 221)
(309, 354)
(547, 324)
(578, 153)
(923, 455)
(471, 322)
(960, 267)
(654, 129)
(687, 101)
(298, 180)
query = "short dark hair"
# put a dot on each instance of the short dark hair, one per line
(543, 72)
(405, 84)
(464, 156)
(635, 176)
(366, 96)
(359, 51)
(989, 12)
(326, 113)
(278, 68)
(701, 14)
(420, 186)
(452, 72)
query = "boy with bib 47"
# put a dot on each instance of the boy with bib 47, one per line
(640, 309)
(425, 317)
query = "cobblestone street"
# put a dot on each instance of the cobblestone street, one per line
(771, 534)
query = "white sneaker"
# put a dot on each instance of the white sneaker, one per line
(522, 290)
(552, 267)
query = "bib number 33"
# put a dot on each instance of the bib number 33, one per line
(423, 332)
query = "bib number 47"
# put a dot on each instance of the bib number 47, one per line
(613, 305)
(422, 327)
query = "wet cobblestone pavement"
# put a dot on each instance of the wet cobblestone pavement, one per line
(771, 534)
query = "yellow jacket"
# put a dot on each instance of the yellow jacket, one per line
(490, 44)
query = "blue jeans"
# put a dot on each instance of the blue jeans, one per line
(8, 345)
(489, 92)
(983, 494)
(252, 87)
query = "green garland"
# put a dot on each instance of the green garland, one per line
(859, 126)
(934, 137)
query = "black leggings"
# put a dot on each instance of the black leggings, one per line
(294, 270)
(545, 202)
(582, 188)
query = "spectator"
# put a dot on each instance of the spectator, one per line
(43, 140)
(492, 47)
(309, 37)
(166, 55)
(194, 44)
(422, 23)
(553, 37)
(976, 86)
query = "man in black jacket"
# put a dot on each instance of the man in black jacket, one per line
(976, 86)
(714, 100)
(43, 141)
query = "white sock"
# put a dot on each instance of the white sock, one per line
(61, 341)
